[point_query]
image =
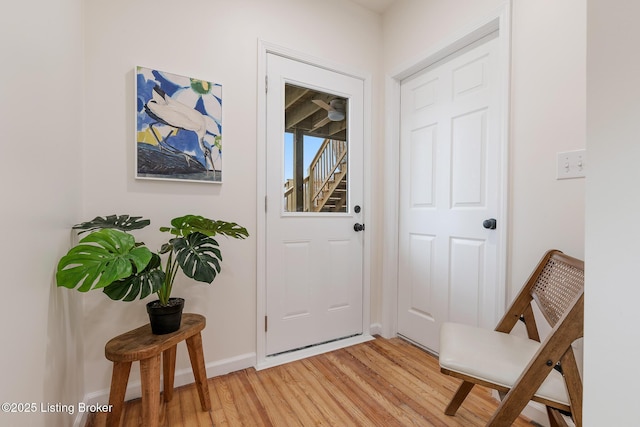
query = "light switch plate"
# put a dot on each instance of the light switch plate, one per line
(571, 164)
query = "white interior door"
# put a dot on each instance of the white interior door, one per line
(314, 283)
(450, 168)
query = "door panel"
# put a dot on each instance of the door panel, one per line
(314, 258)
(467, 261)
(423, 148)
(468, 183)
(296, 298)
(421, 261)
(449, 177)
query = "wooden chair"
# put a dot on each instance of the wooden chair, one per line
(525, 369)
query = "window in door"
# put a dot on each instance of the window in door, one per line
(315, 151)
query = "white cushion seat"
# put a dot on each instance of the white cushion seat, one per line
(494, 357)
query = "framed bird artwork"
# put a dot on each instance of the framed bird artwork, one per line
(178, 127)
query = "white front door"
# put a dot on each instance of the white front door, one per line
(450, 171)
(314, 278)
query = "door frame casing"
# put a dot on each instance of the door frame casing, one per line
(499, 21)
(264, 49)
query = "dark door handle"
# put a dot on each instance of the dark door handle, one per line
(358, 227)
(490, 224)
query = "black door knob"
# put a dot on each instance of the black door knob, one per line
(358, 227)
(490, 224)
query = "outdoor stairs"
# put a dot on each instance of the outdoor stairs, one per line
(334, 198)
(328, 177)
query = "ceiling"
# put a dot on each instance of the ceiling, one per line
(301, 113)
(378, 6)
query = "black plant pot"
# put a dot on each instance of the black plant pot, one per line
(165, 318)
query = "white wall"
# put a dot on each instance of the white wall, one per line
(548, 116)
(547, 109)
(613, 205)
(216, 41)
(40, 156)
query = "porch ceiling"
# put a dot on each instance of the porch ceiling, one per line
(301, 113)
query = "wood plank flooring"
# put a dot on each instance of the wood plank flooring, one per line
(379, 383)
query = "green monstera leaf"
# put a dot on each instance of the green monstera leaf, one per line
(185, 225)
(100, 259)
(139, 284)
(198, 256)
(118, 222)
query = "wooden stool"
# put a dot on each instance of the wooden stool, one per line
(140, 344)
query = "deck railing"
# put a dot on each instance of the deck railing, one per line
(326, 171)
(289, 198)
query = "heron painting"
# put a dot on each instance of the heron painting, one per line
(178, 127)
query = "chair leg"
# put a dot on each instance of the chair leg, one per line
(574, 385)
(168, 372)
(150, 378)
(555, 418)
(194, 345)
(458, 398)
(119, 379)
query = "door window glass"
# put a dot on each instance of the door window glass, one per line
(315, 151)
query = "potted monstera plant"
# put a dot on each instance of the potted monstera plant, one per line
(110, 258)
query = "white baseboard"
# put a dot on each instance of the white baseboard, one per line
(375, 329)
(182, 377)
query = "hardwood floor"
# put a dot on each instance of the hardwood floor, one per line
(379, 383)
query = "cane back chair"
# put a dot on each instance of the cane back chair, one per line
(523, 369)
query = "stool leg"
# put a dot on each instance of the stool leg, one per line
(119, 379)
(150, 378)
(194, 345)
(168, 371)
